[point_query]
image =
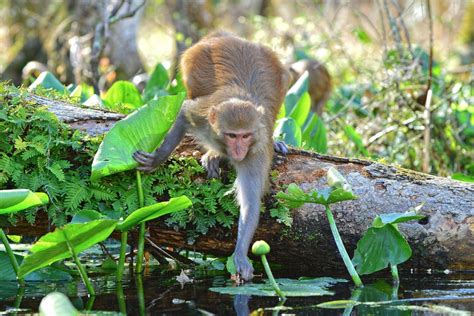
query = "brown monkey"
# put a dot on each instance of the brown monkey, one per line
(236, 88)
(319, 82)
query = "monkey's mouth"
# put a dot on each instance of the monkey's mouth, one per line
(238, 155)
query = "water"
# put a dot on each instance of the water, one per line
(158, 293)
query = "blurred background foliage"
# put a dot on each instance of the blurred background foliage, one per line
(385, 57)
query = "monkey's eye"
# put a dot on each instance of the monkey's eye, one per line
(245, 136)
(231, 135)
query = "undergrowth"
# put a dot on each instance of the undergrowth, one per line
(40, 153)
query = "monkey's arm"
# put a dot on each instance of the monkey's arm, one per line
(150, 161)
(250, 184)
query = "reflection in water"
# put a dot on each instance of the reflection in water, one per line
(241, 305)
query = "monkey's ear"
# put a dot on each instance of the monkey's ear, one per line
(212, 116)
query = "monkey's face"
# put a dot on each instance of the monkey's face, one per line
(238, 144)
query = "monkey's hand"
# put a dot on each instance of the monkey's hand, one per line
(280, 147)
(210, 161)
(148, 161)
(243, 266)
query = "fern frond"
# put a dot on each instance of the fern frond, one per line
(57, 171)
(75, 194)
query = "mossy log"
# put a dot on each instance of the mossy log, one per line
(443, 240)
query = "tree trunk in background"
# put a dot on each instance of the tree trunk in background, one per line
(191, 20)
(121, 47)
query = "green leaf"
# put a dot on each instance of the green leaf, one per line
(157, 84)
(395, 218)
(462, 177)
(177, 85)
(57, 304)
(46, 274)
(314, 134)
(230, 265)
(148, 213)
(123, 96)
(379, 247)
(339, 195)
(356, 139)
(12, 201)
(53, 247)
(144, 129)
(288, 131)
(48, 81)
(301, 110)
(295, 196)
(296, 92)
(292, 288)
(85, 216)
(361, 35)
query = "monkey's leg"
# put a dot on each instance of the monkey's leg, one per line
(150, 161)
(250, 183)
(211, 161)
(280, 147)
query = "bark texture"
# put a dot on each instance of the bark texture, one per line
(444, 240)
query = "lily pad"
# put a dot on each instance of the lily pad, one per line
(290, 287)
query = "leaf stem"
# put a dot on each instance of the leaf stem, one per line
(342, 250)
(80, 267)
(123, 248)
(394, 271)
(141, 233)
(271, 278)
(11, 256)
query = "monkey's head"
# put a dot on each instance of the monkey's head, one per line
(236, 123)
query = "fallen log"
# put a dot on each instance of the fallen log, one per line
(444, 240)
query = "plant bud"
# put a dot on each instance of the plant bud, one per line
(260, 248)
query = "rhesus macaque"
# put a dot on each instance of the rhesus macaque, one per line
(319, 82)
(236, 88)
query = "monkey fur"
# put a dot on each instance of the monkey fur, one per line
(235, 89)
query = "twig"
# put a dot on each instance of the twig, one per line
(394, 29)
(402, 23)
(430, 21)
(427, 133)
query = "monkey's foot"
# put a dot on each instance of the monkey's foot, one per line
(280, 147)
(210, 161)
(244, 267)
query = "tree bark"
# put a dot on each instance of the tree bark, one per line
(443, 240)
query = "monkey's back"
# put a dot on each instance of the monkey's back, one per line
(222, 60)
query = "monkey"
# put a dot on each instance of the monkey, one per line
(319, 82)
(235, 89)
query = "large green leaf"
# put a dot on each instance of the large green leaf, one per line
(301, 287)
(379, 247)
(144, 129)
(296, 197)
(289, 131)
(16, 200)
(46, 274)
(301, 110)
(296, 92)
(316, 138)
(157, 84)
(47, 80)
(148, 213)
(53, 246)
(123, 96)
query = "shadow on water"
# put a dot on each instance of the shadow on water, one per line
(158, 293)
